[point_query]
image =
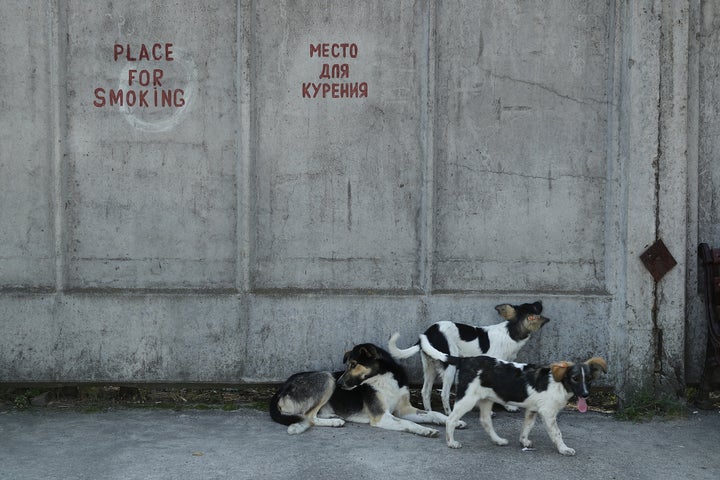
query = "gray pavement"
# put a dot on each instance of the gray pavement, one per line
(246, 444)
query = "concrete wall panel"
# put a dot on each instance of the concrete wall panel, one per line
(150, 338)
(26, 136)
(29, 337)
(338, 179)
(312, 332)
(122, 338)
(152, 187)
(522, 129)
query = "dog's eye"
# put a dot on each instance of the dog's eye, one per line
(576, 378)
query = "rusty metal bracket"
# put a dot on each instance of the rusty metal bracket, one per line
(709, 259)
(658, 260)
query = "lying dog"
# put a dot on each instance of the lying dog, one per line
(545, 390)
(373, 389)
(503, 340)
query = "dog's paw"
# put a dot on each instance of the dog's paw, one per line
(511, 408)
(297, 428)
(429, 432)
(461, 425)
(526, 442)
(454, 444)
(567, 451)
(500, 441)
(336, 422)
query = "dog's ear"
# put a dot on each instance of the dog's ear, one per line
(597, 364)
(559, 369)
(506, 311)
(346, 357)
(538, 307)
(369, 351)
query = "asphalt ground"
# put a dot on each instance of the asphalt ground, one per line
(152, 444)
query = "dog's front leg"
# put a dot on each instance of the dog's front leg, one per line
(329, 422)
(528, 424)
(462, 406)
(390, 422)
(422, 416)
(553, 430)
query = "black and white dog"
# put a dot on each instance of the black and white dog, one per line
(503, 340)
(543, 390)
(373, 389)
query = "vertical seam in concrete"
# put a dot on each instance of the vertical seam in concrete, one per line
(617, 170)
(245, 170)
(662, 79)
(693, 305)
(246, 152)
(57, 95)
(428, 132)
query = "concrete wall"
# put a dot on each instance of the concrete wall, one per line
(239, 218)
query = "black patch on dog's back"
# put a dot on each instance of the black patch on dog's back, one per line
(509, 381)
(468, 333)
(483, 339)
(541, 379)
(437, 339)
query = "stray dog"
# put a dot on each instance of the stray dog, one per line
(545, 390)
(372, 389)
(503, 340)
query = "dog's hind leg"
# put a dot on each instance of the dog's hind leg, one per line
(448, 379)
(487, 423)
(325, 382)
(528, 424)
(429, 375)
(553, 430)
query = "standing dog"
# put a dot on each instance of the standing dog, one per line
(503, 340)
(372, 389)
(545, 390)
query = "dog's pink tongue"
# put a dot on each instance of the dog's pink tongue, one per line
(581, 405)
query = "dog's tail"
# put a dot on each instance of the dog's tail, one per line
(436, 354)
(277, 415)
(398, 353)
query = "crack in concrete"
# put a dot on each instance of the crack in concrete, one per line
(589, 101)
(525, 175)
